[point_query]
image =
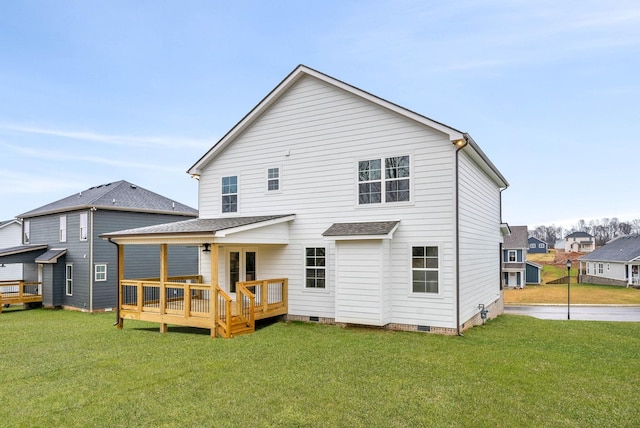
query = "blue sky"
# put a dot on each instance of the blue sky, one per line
(98, 91)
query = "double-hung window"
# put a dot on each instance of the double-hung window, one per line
(63, 228)
(273, 179)
(84, 226)
(425, 269)
(100, 272)
(384, 180)
(69, 279)
(26, 230)
(230, 194)
(315, 267)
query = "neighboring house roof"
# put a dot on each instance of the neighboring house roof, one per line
(578, 235)
(198, 226)
(534, 264)
(6, 223)
(20, 249)
(518, 238)
(118, 196)
(622, 249)
(472, 148)
(540, 241)
(51, 256)
(377, 229)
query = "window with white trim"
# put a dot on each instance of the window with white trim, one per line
(230, 194)
(100, 273)
(600, 268)
(63, 229)
(315, 267)
(512, 256)
(425, 269)
(532, 245)
(69, 279)
(273, 179)
(376, 187)
(26, 228)
(540, 245)
(84, 221)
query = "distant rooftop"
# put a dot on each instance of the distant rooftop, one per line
(119, 196)
(519, 237)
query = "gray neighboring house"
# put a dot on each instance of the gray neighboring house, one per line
(615, 263)
(77, 269)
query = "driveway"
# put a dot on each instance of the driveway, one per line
(578, 312)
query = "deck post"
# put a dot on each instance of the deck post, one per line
(120, 264)
(164, 274)
(214, 290)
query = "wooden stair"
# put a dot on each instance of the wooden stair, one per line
(240, 326)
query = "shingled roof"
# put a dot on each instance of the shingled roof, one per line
(623, 249)
(120, 196)
(519, 237)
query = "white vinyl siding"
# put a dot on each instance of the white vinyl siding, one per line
(319, 134)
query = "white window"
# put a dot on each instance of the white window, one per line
(69, 279)
(273, 179)
(600, 268)
(512, 256)
(230, 194)
(101, 272)
(375, 187)
(315, 267)
(83, 226)
(26, 227)
(588, 268)
(532, 245)
(425, 269)
(540, 245)
(63, 228)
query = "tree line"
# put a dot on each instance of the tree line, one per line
(603, 230)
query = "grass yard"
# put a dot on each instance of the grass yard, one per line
(61, 368)
(580, 294)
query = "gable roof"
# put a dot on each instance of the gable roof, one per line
(578, 235)
(622, 249)
(533, 238)
(120, 196)
(517, 238)
(199, 226)
(6, 223)
(471, 148)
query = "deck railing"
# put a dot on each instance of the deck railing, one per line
(200, 305)
(18, 291)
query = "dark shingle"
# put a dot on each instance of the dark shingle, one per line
(623, 249)
(371, 228)
(519, 238)
(120, 195)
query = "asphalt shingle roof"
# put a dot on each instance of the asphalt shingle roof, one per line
(519, 237)
(623, 249)
(371, 228)
(193, 226)
(579, 235)
(119, 195)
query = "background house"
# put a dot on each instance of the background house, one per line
(11, 236)
(514, 255)
(536, 246)
(377, 215)
(78, 270)
(579, 242)
(615, 263)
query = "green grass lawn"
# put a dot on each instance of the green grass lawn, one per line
(61, 368)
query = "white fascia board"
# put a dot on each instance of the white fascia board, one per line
(223, 233)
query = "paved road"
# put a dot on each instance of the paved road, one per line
(582, 313)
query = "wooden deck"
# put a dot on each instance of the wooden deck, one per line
(185, 301)
(19, 292)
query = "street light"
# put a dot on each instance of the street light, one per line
(568, 289)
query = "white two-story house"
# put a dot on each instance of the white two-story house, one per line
(375, 214)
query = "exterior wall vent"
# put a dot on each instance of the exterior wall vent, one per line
(424, 328)
(316, 319)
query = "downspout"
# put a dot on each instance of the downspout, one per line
(459, 144)
(118, 261)
(91, 267)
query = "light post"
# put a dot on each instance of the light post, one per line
(568, 289)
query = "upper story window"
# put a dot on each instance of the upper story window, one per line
(26, 230)
(84, 217)
(512, 256)
(273, 179)
(63, 228)
(230, 194)
(384, 180)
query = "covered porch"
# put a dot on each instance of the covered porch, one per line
(227, 295)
